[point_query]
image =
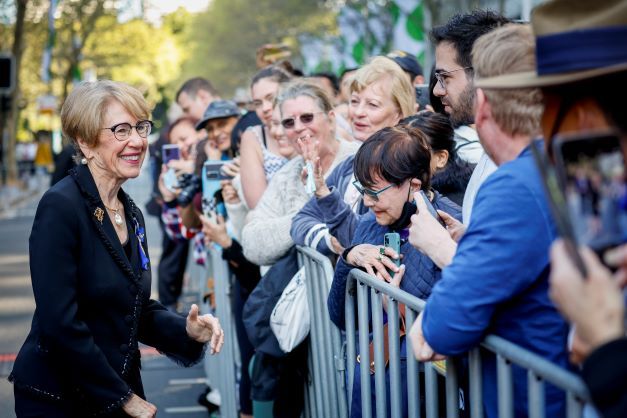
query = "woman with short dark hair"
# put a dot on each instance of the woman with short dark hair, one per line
(389, 168)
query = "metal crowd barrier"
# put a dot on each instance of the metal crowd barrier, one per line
(222, 370)
(326, 387)
(368, 290)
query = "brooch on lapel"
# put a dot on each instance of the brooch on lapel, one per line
(99, 214)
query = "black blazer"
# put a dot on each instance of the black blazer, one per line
(92, 304)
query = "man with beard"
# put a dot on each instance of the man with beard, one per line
(495, 281)
(453, 70)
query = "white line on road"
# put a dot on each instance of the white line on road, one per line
(185, 409)
(196, 381)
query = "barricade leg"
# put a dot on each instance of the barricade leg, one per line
(227, 378)
(413, 379)
(379, 361)
(395, 358)
(364, 365)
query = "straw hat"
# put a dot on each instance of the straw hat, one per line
(575, 40)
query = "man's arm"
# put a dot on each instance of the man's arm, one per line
(503, 252)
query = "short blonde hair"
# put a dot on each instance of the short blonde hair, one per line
(506, 50)
(402, 91)
(83, 112)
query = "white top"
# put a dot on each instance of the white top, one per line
(467, 144)
(482, 171)
(266, 235)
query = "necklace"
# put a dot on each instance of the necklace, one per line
(117, 218)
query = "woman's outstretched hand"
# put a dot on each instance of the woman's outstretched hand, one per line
(204, 328)
(136, 407)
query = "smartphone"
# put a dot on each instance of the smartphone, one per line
(557, 204)
(212, 174)
(170, 152)
(393, 240)
(310, 183)
(591, 173)
(429, 205)
(214, 170)
(422, 96)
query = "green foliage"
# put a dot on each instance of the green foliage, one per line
(225, 38)
(134, 52)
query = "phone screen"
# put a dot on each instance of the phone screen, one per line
(214, 170)
(170, 152)
(591, 172)
(422, 96)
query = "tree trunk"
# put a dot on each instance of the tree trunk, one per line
(13, 117)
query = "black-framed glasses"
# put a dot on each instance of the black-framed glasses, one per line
(122, 131)
(374, 194)
(441, 76)
(305, 119)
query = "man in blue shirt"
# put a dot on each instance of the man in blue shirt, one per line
(496, 280)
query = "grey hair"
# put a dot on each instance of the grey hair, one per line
(298, 88)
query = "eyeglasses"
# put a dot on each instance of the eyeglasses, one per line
(305, 119)
(122, 131)
(441, 76)
(374, 194)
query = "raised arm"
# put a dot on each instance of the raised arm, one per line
(252, 173)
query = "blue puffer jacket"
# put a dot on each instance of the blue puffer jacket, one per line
(420, 275)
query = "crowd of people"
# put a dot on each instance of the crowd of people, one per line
(338, 165)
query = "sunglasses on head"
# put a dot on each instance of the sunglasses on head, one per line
(305, 119)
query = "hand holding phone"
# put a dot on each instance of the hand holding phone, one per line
(393, 240)
(170, 152)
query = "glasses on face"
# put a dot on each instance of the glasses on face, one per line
(305, 119)
(441, 76)
(373, 194)
(122, 131)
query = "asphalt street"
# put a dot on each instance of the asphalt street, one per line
(172, 389)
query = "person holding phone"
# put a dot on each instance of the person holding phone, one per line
(495, 280)
(90, 273)
(182, 138)
(584, 93)
(390, 167)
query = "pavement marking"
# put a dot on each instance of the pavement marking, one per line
(192, 381)
(14, 259)
(185, 409)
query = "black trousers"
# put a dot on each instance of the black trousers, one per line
(171, 269)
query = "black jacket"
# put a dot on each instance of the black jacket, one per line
(605, 374)
(93, 306)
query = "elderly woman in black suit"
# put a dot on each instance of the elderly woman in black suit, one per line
(91, 274)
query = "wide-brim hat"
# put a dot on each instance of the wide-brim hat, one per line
(575, 40)
(218, 109)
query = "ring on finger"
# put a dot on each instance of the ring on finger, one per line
(379, 258)
(381, 251)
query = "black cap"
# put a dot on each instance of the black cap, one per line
(218, 109)
(406, 61)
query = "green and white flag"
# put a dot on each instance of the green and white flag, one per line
(408, 33)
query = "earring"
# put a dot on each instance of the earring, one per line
(84, 161)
